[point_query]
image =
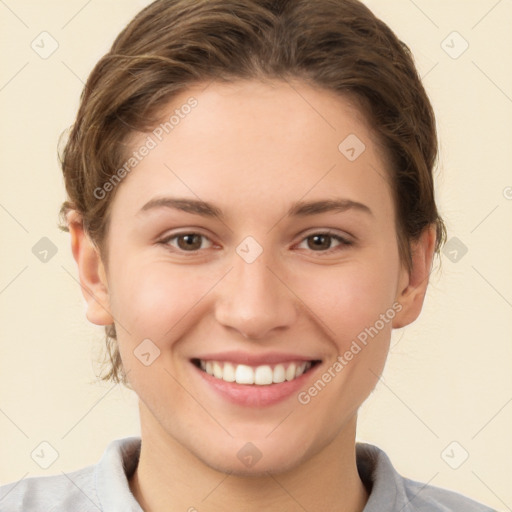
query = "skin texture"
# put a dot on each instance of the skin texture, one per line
(252, 149)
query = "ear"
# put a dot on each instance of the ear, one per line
(93, 279)
(413, 284)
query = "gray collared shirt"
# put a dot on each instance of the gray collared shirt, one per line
(104, 487)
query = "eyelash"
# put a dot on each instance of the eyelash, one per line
(343, 241)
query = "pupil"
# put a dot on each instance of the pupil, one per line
(189, 241)
(321, 245)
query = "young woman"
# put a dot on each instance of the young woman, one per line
(251, 209)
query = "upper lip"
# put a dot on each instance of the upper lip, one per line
(237, 357)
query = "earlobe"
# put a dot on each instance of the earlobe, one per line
(413, 287)
(92, 275)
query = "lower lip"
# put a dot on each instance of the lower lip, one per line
(252, 395)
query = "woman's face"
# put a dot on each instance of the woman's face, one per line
(247, 270)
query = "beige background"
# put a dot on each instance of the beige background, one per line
(448, 377)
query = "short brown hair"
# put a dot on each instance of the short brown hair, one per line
(338, 45)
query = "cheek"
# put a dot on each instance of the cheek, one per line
(160, 301)
(355, 305)
(350, 299)
(150, 299)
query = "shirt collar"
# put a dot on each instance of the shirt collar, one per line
(385, 486)
(112, 473)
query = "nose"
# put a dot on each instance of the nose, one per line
(254, 299)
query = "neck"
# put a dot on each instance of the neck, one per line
(170, 478)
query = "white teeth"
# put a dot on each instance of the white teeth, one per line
(244, 374)
(279, 374)
(217, 370)
(300, 369)
(260, 375)
(229, 373)
(263, 375)
(290, 372)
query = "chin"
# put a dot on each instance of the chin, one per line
(262, 468)
(254, 459)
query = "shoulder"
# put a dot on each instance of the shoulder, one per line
(389, 491)
(102, 486)
(425, 497)
(75, 491)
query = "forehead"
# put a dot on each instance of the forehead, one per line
(250, 142)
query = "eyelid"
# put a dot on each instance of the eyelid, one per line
(328, 231)
(166, 239)
(344, 240)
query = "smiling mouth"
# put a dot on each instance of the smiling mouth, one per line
(262, 375)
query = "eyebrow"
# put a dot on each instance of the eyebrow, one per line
(298, 209)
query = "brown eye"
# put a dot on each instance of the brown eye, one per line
(323, 242)
(186, 242)
(320, 242)
(192, 242)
